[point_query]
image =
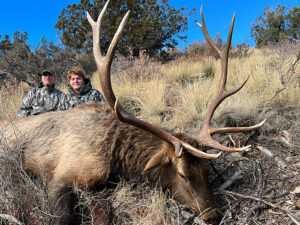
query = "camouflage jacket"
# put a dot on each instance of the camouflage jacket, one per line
(86, 94)
(40, 100)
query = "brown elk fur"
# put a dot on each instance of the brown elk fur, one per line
(88, 145)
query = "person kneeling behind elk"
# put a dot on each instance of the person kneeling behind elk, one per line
(44, 98)
(80, 89)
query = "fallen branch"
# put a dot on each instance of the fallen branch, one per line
(292, 217)
(236, 176)
(277, 93)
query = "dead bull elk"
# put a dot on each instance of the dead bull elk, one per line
(93, 144)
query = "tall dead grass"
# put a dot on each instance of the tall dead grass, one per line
(10, 100)
(177, 94)
(183, 88)
(23, 200)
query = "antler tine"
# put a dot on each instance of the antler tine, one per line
(104, 65)
(206, 34)
(221, 95)
(236, 129)
(228, 44)
(206, 131)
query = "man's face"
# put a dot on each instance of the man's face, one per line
(48, 80)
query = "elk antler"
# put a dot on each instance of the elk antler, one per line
(104, 65)
(206, 131)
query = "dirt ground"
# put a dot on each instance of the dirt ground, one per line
(264, 183)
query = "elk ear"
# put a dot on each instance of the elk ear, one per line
(159, 158)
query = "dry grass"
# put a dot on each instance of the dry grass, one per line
(149, 89)
(23, 200)
(10, 100)
(131, 203)
(186, 81)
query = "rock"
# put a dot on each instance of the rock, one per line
(198, 221)
(297, 204)
(285, 138)
(296, 191)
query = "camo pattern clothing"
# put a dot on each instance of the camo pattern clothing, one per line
(86, 94)
(40, 100)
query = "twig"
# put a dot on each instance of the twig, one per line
(294, 64)
(277, 93)
(236, 176)
(251, 210)
(260, 179)
(233, 142)
(293, 217)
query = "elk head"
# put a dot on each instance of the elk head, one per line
(183, 161)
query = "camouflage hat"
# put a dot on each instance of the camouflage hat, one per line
(48, 71)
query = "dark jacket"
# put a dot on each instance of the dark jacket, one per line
(86, 94)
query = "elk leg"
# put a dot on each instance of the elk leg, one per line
(61, 198)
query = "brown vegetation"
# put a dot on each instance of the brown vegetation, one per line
(263, 180)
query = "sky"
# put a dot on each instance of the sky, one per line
(38, 18)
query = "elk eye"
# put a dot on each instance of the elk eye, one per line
(182, 175)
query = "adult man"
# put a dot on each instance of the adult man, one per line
(44, 98)
(80, 89)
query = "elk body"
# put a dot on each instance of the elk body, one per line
(90, 146)
(93, 144)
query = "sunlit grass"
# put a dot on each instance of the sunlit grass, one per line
(194, 91)
(182, 89)
(10, 100)
(187, 70)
